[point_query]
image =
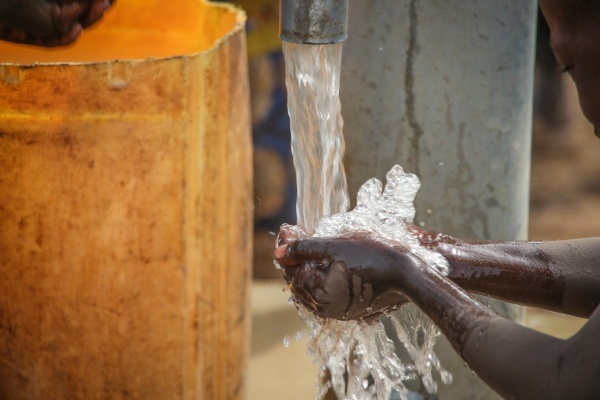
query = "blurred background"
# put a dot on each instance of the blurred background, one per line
(564, 199)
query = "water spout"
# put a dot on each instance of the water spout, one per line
(313, 21)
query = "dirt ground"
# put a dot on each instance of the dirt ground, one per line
(565, 179)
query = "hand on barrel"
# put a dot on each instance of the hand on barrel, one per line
(343, 278)
(48, 22)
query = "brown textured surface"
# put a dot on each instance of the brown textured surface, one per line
(125, 228)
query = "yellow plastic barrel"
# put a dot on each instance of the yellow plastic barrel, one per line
(125, 208)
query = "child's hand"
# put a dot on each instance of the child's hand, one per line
(343, 278)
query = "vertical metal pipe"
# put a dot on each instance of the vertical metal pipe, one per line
(445, 90)
(313, 21)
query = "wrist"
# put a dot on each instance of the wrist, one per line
(432, 240)
(440, 243)
(408, 272)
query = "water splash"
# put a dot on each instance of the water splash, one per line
(363, 352)
(384, 212)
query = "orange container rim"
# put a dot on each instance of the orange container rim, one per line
(139, 30)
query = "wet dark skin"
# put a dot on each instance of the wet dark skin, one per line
(354, 278)
(48, 22)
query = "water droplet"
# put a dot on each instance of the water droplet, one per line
(361, 298)
(422, 223)
(369, 310)
(299, 336)
(284, 290)
(446, 377)
(286, 341)
(429, 211)
(380, 48)
(441, 163)
(290, 301)
(365, 383)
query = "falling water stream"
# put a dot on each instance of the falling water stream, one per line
(313, 84)
(360, 359)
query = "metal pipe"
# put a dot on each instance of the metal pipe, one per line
(313, 21)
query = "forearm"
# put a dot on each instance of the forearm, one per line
(578, 261)
(520, 363)
(452, 309)
(562, 276)
(515, 361)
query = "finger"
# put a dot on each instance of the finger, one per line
(12, 35)
(309, 249)
(31, 17)
(65, 16)
(96, 12)
(64, 39)
(287, 234)
(280, 252)
(282, 258)
(285, 237)
(372, 317)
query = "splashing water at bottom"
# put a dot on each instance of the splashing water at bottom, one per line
(360, 359)
(363, 354)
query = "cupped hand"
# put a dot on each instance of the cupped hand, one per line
(48, 22)
(343, 278)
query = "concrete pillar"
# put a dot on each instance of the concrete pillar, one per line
(445, 90)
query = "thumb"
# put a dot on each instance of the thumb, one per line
(309, 249)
